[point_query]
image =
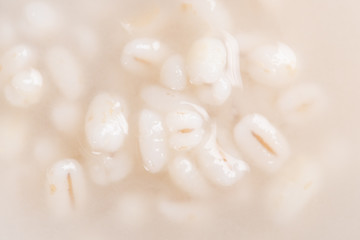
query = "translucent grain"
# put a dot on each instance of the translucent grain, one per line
(66, 187)
(142, 55)
(273, 65)
(290, 192)
(15, 59)
(206, 60)
(261, 142)
(106, 125)
(106, 169)
(41, 19)
(218, 166)
(173, 74)
(152, 137)
(301, 103)
(185, 174)
(25, 88)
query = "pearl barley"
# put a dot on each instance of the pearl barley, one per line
(185, 129)
(206, 60)
(16, 59)
(273, 65)
(141, 119)
(291, 191)
(220, 167)
(25, 88)
(216, 93)
(187, 177)
(173, 73)
(106, 125)
(66, 189)
(152, 143)
(105, 169)
(141, 54)
(259, 140)
(301, 103)
(41, 19)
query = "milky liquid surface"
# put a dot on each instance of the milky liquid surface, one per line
(127, 200)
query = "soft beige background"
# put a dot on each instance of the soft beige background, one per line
(326, 35)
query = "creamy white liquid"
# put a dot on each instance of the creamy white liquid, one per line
(324, 36)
